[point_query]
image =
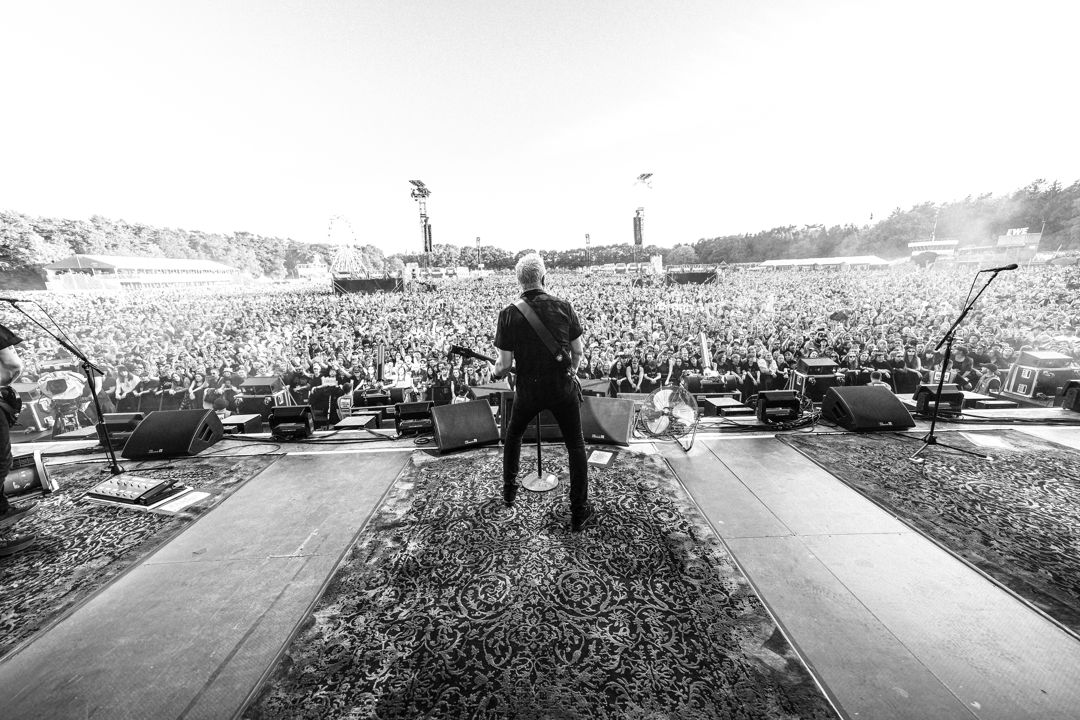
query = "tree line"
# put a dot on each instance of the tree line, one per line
(27, 243)
(1050, 208)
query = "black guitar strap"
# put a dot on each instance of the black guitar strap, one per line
(540, 328)
(10, 404)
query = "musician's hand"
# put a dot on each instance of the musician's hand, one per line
(501, 369)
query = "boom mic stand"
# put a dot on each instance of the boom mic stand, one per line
(89, 369)
(930, 438)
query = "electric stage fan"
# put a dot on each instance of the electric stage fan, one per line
(669, 411)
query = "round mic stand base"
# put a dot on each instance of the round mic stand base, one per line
(540, 482)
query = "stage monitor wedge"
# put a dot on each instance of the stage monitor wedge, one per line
(173, 433)
(607, 420)
(464, 425)
(866, 408)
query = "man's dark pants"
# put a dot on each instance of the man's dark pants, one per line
(531, 397)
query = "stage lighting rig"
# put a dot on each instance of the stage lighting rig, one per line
(639, 221)
(420, 190)
(420, 194)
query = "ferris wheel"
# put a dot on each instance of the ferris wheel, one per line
(347, 258)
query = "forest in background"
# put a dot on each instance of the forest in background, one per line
(27, 243)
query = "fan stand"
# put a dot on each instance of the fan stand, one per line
(539, 481)
(693, 435)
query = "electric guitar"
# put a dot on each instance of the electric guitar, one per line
(467, 353)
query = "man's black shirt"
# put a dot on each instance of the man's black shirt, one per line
(531, 355)
(8, 338)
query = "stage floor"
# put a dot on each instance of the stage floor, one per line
(892, 625)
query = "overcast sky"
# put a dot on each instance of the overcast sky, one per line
(529, 121)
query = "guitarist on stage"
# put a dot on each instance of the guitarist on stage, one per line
(545, 381)
(10, 367)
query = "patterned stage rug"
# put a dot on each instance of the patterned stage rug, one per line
(81, 546)
(1016, 518)
(451, 606)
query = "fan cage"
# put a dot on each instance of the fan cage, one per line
(668, 411)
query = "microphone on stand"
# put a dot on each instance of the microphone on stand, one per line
(1010, 266)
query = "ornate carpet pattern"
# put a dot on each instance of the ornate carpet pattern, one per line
(1017, 517)
(450, 606)
(81, 546)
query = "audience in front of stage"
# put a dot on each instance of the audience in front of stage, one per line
(748, 330)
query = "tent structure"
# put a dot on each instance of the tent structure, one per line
(850, 261)
(117, 272)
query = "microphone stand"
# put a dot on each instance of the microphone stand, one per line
(329, 409)
(89, 369)
(539, 481)
(930, 438)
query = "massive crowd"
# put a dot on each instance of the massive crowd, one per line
(747, 330)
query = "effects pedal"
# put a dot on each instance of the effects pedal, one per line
(134, 490)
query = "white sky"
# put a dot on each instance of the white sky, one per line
(528, 120)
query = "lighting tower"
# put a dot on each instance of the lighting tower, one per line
(420, 193)
(639, 232)
(639, 220)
